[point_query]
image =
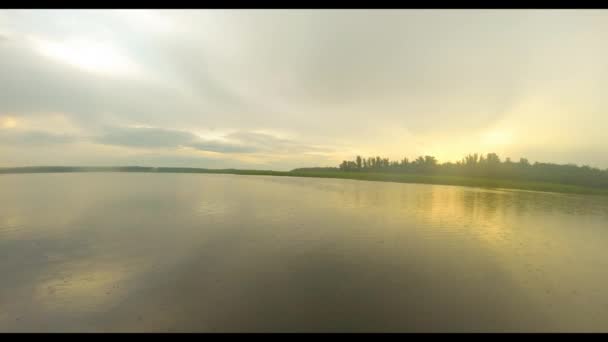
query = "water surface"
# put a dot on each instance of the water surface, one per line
(209, 252)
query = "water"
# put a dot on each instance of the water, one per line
(207, 253)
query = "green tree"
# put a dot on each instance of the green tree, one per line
(430, 161)
(492, 159)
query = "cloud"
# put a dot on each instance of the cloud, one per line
(268, 143)
(236, 142)
(222, 147)
(372, 82)
(250, 142)
(145, 137)
(34, 138)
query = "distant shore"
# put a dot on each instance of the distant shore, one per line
(328, 173)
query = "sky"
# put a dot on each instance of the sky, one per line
(280, 89)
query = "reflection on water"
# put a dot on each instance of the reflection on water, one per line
(179, 252)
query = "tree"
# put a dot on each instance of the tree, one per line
(492, 158)
(471, 159)
(475, 165)
(430, 161)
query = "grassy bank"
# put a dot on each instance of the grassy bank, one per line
(367, 176)
(454, 180)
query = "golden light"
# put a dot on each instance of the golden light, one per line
(9, 122)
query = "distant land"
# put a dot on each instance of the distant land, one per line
(473, 171)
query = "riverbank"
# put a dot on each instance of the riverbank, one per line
(460, 181)
(367, 176)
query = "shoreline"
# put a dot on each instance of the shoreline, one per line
(487, 183)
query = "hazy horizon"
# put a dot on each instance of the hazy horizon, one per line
(281, 89)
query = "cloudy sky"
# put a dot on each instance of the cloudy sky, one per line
(280, 89)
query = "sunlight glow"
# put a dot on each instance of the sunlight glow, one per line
(496, 138)
(87, 55)
(8, 122)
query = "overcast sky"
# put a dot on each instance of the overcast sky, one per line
(278, 89)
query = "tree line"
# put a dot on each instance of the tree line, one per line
(489, 165)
